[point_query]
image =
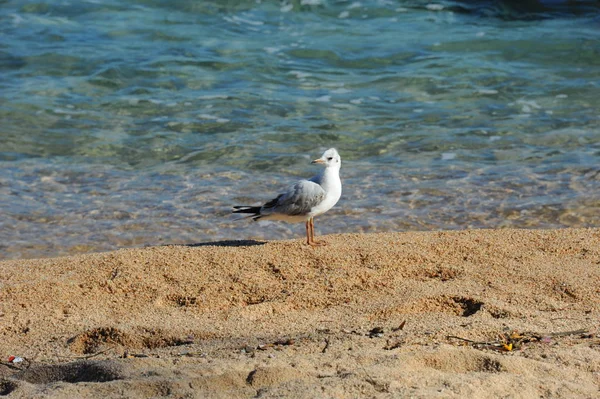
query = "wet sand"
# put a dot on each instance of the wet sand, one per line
(478, 314)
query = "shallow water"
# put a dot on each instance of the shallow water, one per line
(143, 123)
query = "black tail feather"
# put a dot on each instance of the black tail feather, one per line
(254, 211)
(247, 209)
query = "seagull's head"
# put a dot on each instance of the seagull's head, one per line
(330, 158)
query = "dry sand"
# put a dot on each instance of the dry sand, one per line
(469, 314)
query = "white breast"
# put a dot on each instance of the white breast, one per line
(330, 200)
(332, 185)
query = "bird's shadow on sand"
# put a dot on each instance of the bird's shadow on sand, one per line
(226, 243)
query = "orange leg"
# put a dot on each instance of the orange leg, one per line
(308, 238)
(310, 225)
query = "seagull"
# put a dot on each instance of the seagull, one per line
(305, 199)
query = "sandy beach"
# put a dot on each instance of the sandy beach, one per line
(462, 314)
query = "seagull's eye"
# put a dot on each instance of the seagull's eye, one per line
(330, 158)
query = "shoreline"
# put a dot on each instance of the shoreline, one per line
(444, 313)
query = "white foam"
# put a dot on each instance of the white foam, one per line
(448, 156)
(66, 111)
(213, 97)
(248, 21)
(286, 8)
(300, 74)
(324, 99)
(527, 106)
(213, 118)
(531, 103)
(434, 7)
(344, 14)
(17, 19)
(341, 90)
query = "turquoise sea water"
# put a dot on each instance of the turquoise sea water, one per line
(142, 122)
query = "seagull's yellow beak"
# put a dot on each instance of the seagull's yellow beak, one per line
(319, 161)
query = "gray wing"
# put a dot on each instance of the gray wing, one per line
(298, 200)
